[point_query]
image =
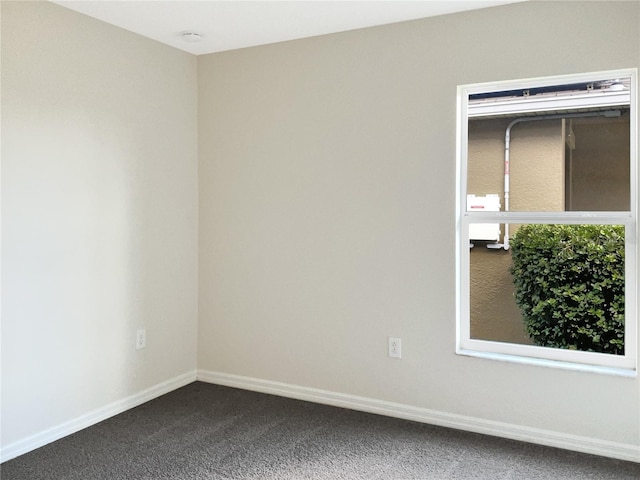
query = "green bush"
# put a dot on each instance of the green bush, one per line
(569, 282)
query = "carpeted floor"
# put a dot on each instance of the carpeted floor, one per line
(205, 431)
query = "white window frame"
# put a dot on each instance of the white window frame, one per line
(587, 361)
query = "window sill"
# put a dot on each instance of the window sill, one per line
(541, 362)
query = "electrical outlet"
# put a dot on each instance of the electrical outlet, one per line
(395, 347)
(141, 338)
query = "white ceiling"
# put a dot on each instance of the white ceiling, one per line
(228, 25)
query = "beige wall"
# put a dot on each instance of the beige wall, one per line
(327, 218)
(99, 219)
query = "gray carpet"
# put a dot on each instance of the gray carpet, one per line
(206, 431)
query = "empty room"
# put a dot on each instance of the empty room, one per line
(295, 240)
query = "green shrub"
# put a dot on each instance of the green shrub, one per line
(569, 282)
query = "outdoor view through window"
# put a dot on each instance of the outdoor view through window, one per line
(547, 219)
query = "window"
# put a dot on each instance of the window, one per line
(547, 221)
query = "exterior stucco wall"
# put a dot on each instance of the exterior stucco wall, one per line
(599, 180)
(537, 183)
(600, 142)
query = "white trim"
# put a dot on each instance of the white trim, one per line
(548, 81)
(67, 428)
(494, 351)
(546, 104)
(594, 446)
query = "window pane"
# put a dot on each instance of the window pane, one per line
(558, 286)
(552, 149)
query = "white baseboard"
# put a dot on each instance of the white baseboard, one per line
(621, 451)
(55, 433)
